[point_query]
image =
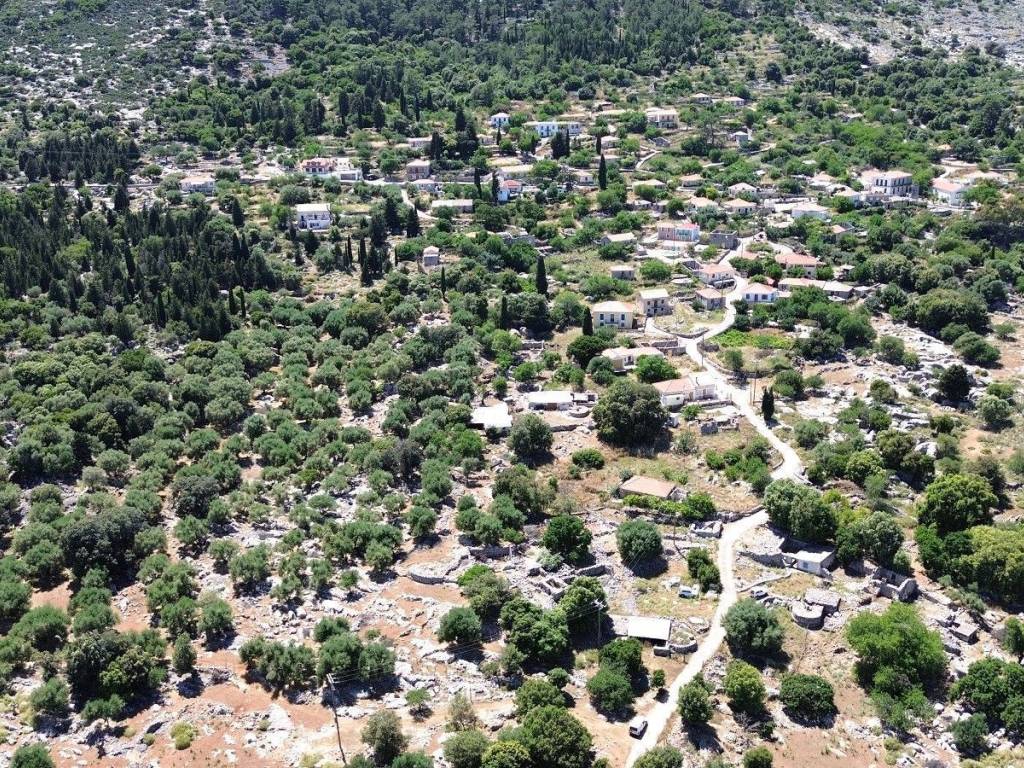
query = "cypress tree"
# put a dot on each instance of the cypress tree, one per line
(503, 321)
(602, 174)
(444, 285)
(588, 323)
(768, 404)
(412, 223)
(241, 301)
(541, 280)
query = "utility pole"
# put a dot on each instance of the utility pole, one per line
(334, 709)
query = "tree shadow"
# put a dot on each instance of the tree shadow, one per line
(191, 687)
(704, 737)
(649, 568)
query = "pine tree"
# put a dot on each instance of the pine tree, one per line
(541, 281)
(588, 323)
(602, 174)
(768, 404)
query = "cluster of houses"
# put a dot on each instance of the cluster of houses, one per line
(651, 302)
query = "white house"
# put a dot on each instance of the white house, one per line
(543, 128)
(949, 192)
(457, 205)
(653, 302)
(741, 188)
(676, 393)
(623, 272)
(419, 142)
(548, 400)
(344, 170)
(612, 314)
(431, 256)
(314, 216)
(584, 178)
(810, 210)
(319, 166)
(892, 183)
(198, 185)
(499, 120)
(739, 207)
(733, 101)
(683, 231)
(759, 293)
(716, 274)
(662, 118)
(625, 358)
(702, 98)
(491, 417)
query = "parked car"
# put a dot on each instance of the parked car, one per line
(637, 727)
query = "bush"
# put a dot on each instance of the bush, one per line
(31, 756)
(660, 757)
(695, 702)
(466, 749)
(630, 414)
(807, 696)
(460, 625)
(530, 438)
(744, 687)
(638, 542)
(757, 757)
(51, 698)
(588, 458)
(567, 536)
(752, 630)
(383, 734)
(553, 737)
(971, 734)
(537, 692)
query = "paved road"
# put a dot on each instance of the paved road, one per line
(660, 716)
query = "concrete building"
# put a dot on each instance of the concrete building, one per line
(612, 314)
(457, 205)
(198, 185)
(684, 231)
(417, 169)
(548, 400)
(625, 358)
(709, 298)
(799, 261)
(641, 485)
(491, 418)
(314, 216)
(653, 302)
(759, 293)
(431, 256)
(675, 393)
(716, 274)
(623, 272)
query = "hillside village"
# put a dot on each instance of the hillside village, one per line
(668, 416)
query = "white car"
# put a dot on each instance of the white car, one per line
(637, 727)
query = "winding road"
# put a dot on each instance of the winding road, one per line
(659, 717)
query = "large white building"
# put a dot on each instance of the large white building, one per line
(314, 216)
(612, 314)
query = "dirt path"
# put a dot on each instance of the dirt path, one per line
(659, 717)
(791, 467)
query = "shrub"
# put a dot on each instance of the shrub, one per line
(638, 542)
(744, 687)
(695, 702)
(588, 458)
(807, 696)
(751, 629)
(460, 625)
(757, 757)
